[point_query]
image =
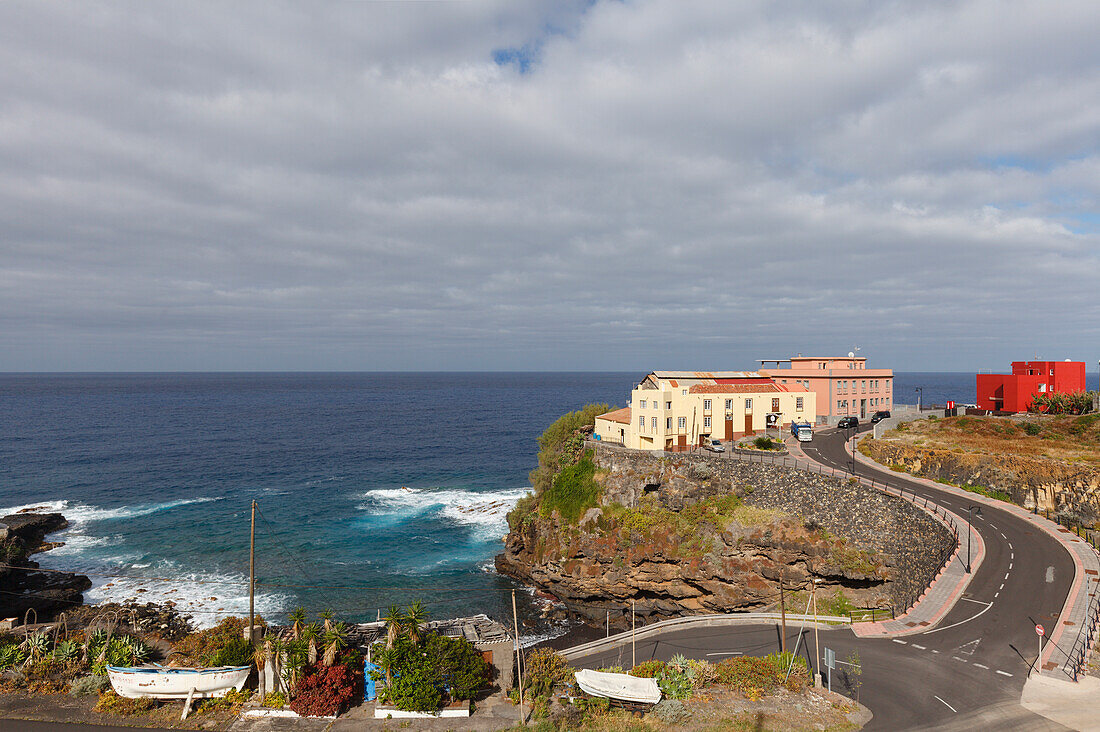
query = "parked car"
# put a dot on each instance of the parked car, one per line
(847, 423)
(880, 415)
(715, 446)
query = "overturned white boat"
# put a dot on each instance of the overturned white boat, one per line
(159, 682)
(620, 687)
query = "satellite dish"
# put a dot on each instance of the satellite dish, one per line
(851, 354)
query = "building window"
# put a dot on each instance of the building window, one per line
(706, 405)
(668, 423)
(798, 404)
(641, 422)
(642, 404)
(653, 423)
(748, 404)
(706, 423)
(729, 404)
(838, 405)
(682, 422)
(775, 404)
(668, 405)
(683, 392)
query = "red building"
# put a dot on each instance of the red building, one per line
(1013, 392)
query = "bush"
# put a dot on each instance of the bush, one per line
(415, 690)
(235, 652)
(88, 685)
(1031, 428)
(111, 703)
(202, 648)
(647, 669)
(751, 675)
(326, 692)
(274, 700)
(764, 443)
(544, 671)
(572, 491)
(460, 664)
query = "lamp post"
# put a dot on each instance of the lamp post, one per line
(851, 430)
(969, 530)
(920, 398)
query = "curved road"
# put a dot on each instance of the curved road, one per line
(967, 672)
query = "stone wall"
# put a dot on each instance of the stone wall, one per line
(916, 543)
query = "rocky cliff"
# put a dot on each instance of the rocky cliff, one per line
(48, 593)
(701, 533)
(1033, 482)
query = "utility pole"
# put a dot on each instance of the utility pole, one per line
(783, 614)
(633, 653)
(817, 640)
(519, 660)
(252, 578)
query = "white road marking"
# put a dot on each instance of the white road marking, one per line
(946, 704)
(982, 612)
(973, 647)
(1006, 575)
(726, 653)
(963, 660)
(996, 595)
(992, 526)
(1012, 555)
(934, 651)
(982, 665)
(1003, 673)
(1002, 586)
(1050, 574)
(1010, 565)
(920, 647)
(898, 641)
(1003, 535)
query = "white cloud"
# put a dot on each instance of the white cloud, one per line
(362, 187)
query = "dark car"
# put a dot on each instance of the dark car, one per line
(880, 415)
(847, 422)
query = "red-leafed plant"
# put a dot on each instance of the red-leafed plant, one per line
(326, 692)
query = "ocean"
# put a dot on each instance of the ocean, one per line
(373, 489)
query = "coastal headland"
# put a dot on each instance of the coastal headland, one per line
(46, 593)
(688, 533)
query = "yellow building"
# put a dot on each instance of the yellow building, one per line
(672, 410)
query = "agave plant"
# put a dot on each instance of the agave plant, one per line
(37, 646)
(93, 644)
(11, 655)
(138, 650)
(326, 615)
(67, 651)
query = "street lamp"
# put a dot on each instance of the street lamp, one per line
(920, 398)
(971, 510)
(853, 460)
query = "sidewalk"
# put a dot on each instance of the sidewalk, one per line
(1072, 621)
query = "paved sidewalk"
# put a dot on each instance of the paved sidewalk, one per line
(1072, 629)
(1075, 705)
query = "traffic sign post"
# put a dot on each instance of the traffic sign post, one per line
(1039, 631)
(830, 663)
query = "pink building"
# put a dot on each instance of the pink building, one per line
(844, 386)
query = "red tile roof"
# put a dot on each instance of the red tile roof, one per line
(619, 415)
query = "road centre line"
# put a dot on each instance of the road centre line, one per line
(898, 641)
(1012, 555)
(982, 665)
(1001, 587)
(923, 648)
(1003, 535)
(946, 704)
(1010, 565)
(1006, 575)
(996, 595)
(934, 651)
(1003, 673)
(959, 659)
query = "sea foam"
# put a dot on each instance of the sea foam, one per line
(485, 511)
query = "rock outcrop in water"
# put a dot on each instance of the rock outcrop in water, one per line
(699, 533)
(48, 593)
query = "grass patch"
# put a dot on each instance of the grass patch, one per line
(573, 491)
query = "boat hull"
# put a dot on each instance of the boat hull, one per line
(620, 687)
(176, 683)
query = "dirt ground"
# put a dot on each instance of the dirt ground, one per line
(65, 708)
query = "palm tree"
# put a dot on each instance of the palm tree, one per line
(415, 616)
(326, 615)
(297, 618)
(335, 639)
(385, 660)
(395, 622)
(260, 656)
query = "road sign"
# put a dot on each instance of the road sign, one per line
(830, 658)
(1040, 630)
(951, 405)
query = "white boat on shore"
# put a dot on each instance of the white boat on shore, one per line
(159, 682)
(620, 687)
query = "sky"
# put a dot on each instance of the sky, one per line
(514, 185)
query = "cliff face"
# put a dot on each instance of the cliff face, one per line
(701, 533)
(1032, 482)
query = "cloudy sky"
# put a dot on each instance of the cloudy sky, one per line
(547, 185)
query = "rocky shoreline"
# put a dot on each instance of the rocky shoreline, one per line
(25, 586)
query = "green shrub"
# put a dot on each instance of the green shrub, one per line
(235, 652)
(274, 700)
(415, 690)
(111, 703)
(1031, 428)
(544, 671)
(572, 491)
(88, 685)
(765, 443)
(747, 674)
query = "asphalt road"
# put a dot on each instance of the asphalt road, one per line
(967, 672)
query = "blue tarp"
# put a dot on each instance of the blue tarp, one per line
(368, 682)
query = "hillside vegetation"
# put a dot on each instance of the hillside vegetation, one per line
(1061, 437)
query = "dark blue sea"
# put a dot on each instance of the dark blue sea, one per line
(373, 488)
